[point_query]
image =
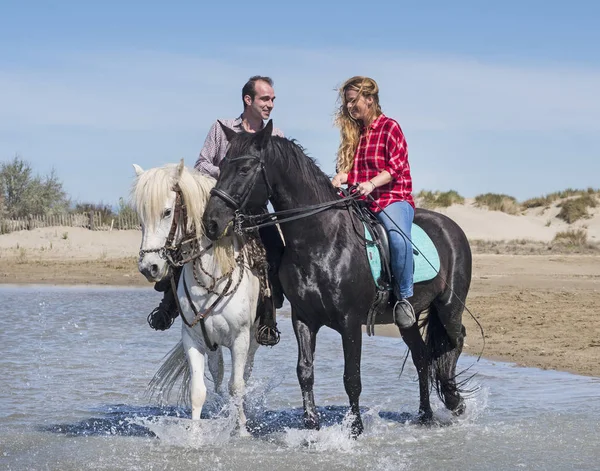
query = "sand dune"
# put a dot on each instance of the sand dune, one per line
(535, 224)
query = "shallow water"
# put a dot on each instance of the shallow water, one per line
(76, 362)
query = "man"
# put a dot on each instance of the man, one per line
(258, 98)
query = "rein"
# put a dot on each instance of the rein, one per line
(248, 223)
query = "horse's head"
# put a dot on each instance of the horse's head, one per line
(155, 198)
(243, 184)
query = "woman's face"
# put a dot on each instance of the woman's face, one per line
(358, 106)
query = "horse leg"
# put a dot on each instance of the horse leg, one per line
(216, 368)
(197, 387)
(306, 338)
(239, 356)
(414, 341)
(352, 345)
(250, 360)
(445, 352)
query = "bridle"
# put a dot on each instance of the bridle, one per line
(243, 222)
(240, 205)
(172, 252)
(168, 251)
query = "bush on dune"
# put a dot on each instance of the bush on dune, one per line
(497, 202)
(577, 208)
(438, 199)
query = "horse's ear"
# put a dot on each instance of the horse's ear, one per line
(263, 136)
(138, 170)
(229, 133)
(180, 169)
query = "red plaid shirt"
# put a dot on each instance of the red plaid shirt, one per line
(383, 147)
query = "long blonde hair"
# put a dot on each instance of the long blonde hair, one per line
(349, 127)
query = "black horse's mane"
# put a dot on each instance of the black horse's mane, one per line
(293, 159)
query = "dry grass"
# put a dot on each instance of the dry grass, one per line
(498, 202)
(547, 200)
(568, 242)
(577, 208)
(438, 199)
(572, 239)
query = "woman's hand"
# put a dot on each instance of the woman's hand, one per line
(366, 188)
(339, 179)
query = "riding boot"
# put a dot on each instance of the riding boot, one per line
(274, 246)
(267, 333)
(163, 316)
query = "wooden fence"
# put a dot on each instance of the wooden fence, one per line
(92, 220)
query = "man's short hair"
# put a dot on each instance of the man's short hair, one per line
(250, 87)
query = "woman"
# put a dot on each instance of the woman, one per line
(373, 156)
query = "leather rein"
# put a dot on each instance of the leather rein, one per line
(243, 223)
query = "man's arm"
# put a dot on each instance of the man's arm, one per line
(206, 160)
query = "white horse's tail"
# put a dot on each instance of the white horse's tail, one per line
(174, 367)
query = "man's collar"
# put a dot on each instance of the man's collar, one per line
(238, 122)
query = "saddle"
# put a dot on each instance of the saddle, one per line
(378, 253)
(426, 260)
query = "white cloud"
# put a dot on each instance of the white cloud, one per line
(158, 107)
(146, 91)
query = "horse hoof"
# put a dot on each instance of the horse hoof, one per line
(357, 428)
(425, 418)
(243, 432)
(268, 336)
(460, 408)
(311, 423)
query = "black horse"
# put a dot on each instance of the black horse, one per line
(326, 275)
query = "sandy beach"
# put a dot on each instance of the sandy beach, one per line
(539, 310)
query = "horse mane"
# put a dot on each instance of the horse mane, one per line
(293, 159)
(151, 189)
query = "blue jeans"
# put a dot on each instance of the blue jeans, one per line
(401, 213)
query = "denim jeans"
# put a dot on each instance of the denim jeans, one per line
(402, 214)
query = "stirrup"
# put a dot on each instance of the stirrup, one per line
(267, 335)
(404, 314)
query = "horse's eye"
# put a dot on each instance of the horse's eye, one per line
(167, 213)
(245, 170)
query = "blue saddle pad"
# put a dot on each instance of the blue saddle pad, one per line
(425, 256)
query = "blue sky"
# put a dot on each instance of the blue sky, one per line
(500, 98)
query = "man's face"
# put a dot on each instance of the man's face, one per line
(263, 102)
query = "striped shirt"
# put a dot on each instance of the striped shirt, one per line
(216, 145)
(382, 146)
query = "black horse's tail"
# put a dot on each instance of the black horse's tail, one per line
(444, 352)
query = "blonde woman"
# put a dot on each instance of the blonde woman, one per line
(373, 156)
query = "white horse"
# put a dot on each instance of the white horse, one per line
(170, 201)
